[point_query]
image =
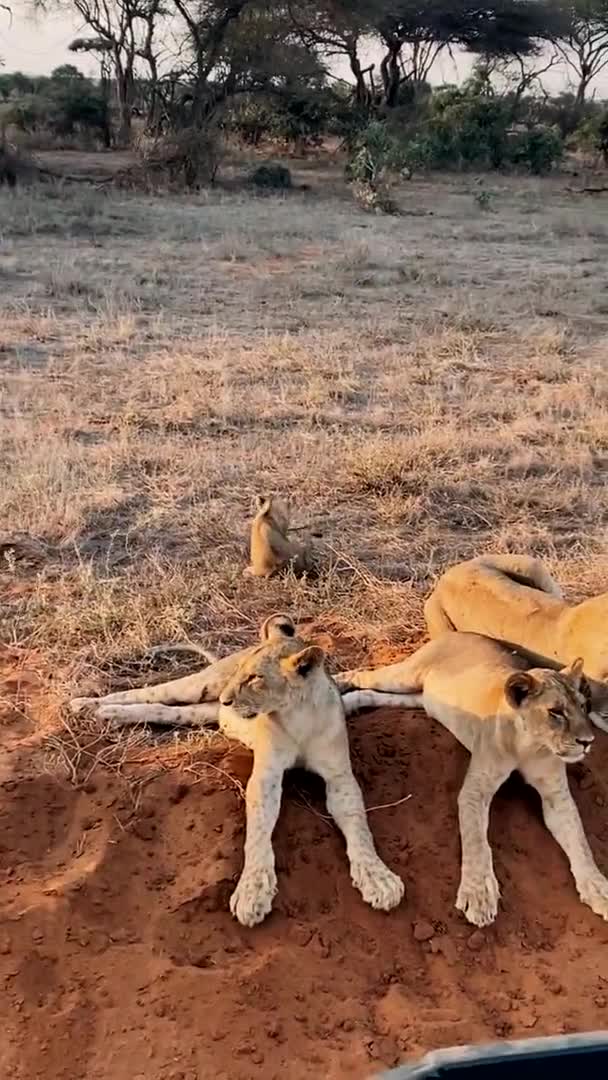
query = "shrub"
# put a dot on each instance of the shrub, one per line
(15, 166)
(592, 135)
(251, 121)
(458, 127)
(271, 176)
(64, 105)
(189, 158)
(538, 149)
(374, 151)
(465, 128)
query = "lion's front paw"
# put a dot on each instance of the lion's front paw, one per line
(117, 715)
(252, 899)
(594, 892)
(344, 681)
(478, 899)
(379, 887)
(80, 704)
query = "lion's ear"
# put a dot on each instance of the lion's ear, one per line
(277, 627)
(263, 504)
(574, 672)
(519, 687)
(304, 662)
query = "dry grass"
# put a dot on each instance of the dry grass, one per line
(428, 387)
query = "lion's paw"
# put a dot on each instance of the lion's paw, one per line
(379, 887)
(114, 715)
(344, 681)
(252, 899)
(478, 899)
(594, 892)
(80, 704)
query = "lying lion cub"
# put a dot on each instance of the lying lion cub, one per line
(510, 715)
(279, 701)
(270, 547)
(514, 598)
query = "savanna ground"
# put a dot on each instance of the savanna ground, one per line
(424, 388)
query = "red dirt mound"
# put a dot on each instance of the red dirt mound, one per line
(119, 959)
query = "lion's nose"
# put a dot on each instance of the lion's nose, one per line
(585, 741)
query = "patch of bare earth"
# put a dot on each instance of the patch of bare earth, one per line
(425, 387)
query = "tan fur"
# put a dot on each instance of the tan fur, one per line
(279, 701)
(511, 716)
(270, 547)
(514, 598)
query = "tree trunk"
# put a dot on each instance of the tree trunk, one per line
(361, 91)
(586, 76)
(124, 93)
(391, 76)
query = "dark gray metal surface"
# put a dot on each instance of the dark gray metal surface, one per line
(433, 1064)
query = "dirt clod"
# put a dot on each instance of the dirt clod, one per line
(423, 931)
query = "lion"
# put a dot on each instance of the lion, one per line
(510, 715)
(270, 547)
(514, 598)
(279, 701)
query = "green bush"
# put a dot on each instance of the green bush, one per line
(592, 135)
(464, 128)
(460, 127)
(373, 151)
(538, 149)
(65, 104)
(251, 120)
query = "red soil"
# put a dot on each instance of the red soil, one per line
(119, 959)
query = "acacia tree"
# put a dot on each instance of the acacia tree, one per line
(584, 43)
(517, 75)
(119, 29)
(334, 29)
(414, 33)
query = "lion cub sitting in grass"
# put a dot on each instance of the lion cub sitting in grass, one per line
(271, 549)
(514, 598)
(278, 700)
(511, 714)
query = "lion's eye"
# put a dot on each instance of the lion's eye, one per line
(254, 680)
(557, 715)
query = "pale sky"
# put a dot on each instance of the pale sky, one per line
(36, 45)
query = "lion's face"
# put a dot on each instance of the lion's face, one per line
(554, 710)
(275, 676)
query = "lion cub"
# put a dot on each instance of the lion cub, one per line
(280, 702)
(511, 715)
(514, 598)
(270, 547)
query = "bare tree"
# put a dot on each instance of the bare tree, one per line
(584, 45)
(336, 29)
(520, 75)
(120, 34)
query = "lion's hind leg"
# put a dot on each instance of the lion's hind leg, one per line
(437, 622)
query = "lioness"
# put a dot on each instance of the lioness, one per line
(514, 598)
(510, 715)
(270, 546)
(280, 702)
